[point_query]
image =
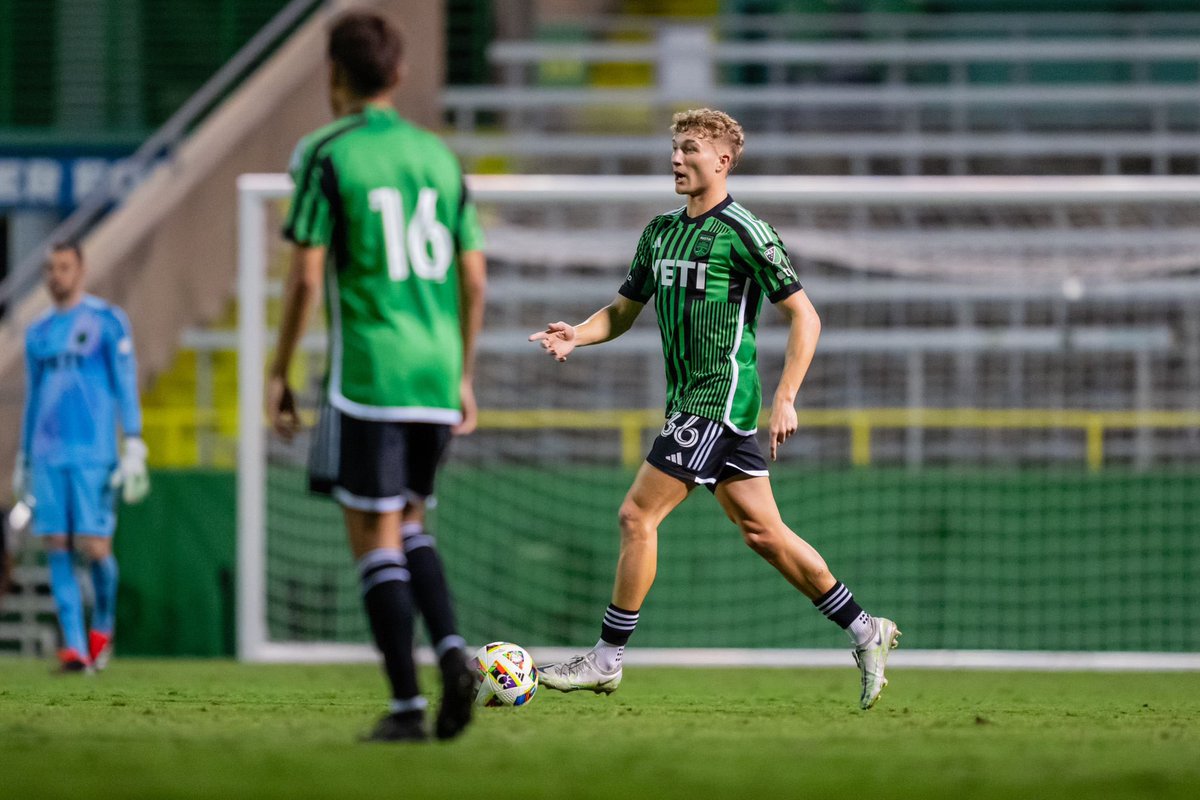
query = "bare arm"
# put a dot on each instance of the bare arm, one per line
(472, 281)
(804, 328)
(302, 290)
(559, 338)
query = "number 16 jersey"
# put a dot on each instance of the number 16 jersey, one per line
(708, 276)
(387, 200)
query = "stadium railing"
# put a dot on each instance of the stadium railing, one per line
(967, 105)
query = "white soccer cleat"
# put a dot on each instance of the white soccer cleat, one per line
(580, 672)
(872, 660)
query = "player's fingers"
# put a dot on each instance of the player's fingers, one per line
(540, 335)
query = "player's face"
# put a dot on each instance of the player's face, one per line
(696, 162)
(64, 275)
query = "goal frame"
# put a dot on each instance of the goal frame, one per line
(256, 189)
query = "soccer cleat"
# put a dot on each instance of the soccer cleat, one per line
(99, 648)
(71, 661)
(580, 672)
(401, 726)
(872, 660)
(458, 695)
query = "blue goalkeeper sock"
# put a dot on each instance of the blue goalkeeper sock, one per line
(68, 600)
(104, 583)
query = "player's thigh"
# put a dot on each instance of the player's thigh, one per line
(425, 448)
(652, 496)
(93, 501)
(51, 491)
(749, 502)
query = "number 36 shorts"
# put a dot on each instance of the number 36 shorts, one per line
(702, 451)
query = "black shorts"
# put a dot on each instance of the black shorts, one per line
(699, 450)
(374, 466)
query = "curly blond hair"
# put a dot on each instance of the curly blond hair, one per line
(714, 125)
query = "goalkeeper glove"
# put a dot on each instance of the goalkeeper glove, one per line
(130, 473)
(20, 479)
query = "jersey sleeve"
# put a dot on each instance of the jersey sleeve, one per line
(33, 393)
(122, 364)
(308, 220)
(762, 254)
(639, 284)
(470, 232)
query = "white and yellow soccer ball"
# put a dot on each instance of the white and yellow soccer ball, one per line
(507, 675)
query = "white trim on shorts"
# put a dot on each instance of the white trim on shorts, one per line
(380, 504)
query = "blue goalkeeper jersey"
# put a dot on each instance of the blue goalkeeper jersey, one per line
(80, 374)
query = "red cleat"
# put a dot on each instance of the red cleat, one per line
(99, 648)
(70, 660)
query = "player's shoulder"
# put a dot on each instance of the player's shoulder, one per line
(666, 217)
(426, 145)
(311, 143)
(105, 310)
(746, 223)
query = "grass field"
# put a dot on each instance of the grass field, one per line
(161, 729)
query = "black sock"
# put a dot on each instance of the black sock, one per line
(430, 589)
(838, 605)
(389, 608)
(618, 625)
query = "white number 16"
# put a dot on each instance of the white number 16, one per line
(426, 244)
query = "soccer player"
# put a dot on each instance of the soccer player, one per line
(380, 214)
(81, 378)
(707, 265)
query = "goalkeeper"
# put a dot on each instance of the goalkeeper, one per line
(81, 378)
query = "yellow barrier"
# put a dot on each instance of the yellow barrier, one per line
(172, 433)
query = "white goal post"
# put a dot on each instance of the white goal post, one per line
(1165, 250)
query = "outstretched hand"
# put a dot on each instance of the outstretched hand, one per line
(558, 340)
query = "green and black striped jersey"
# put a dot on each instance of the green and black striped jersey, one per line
(388, 201)
(708, 276)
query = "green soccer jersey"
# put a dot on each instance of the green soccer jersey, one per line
(708, 276)
(388, 201)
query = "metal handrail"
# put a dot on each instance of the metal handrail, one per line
(899, 24)
(97, 203)
(842, 52)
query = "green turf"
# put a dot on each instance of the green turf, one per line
(161, 729)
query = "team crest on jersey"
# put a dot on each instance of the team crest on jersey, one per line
(704, 243)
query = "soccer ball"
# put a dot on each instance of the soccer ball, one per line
(506, 673)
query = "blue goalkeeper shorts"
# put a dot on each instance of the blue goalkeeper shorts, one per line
(74, 499)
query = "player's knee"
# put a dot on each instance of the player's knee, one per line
(54, 543)
(634, 522)
(761, 538)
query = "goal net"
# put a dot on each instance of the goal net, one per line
(999, 439)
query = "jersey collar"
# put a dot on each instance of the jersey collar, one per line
(717, 209)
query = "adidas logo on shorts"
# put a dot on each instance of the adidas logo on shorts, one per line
(676, 458)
